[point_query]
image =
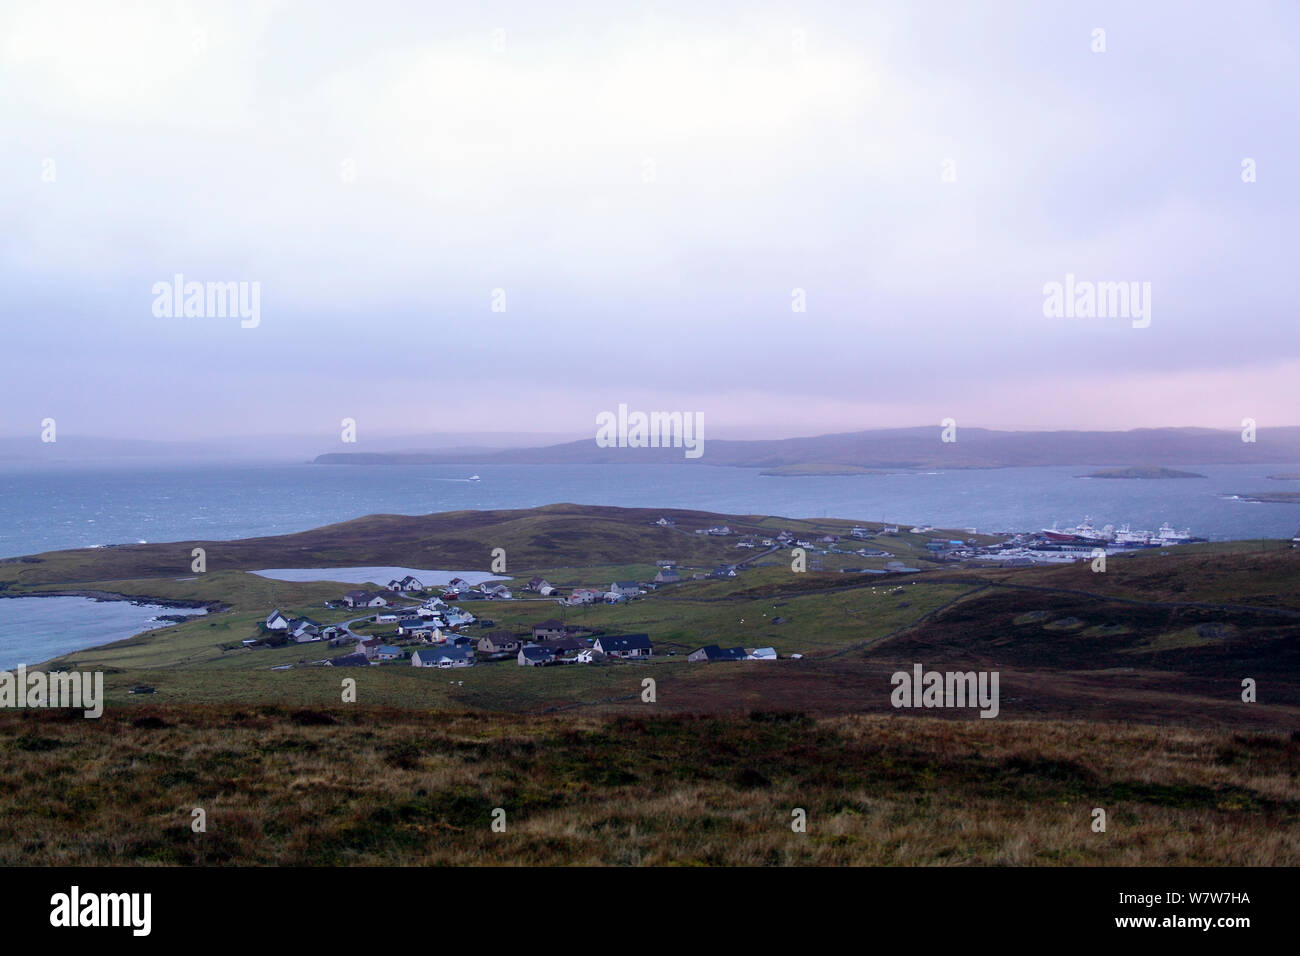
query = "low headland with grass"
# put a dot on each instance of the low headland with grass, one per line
(1122, 690)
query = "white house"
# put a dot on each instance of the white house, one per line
(625, 588)
(762, 654)
(445, 655)
(306, 631)
(276, 621)
(624, 645)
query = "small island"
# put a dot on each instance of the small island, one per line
(1289, 476)
(820, 470)
(1142, 472)
(1272, 497)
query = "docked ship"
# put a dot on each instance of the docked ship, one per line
(1167, 535)
(1083, 533)
(1126, 536)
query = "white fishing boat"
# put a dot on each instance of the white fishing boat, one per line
(1125, 535)
(1083, 531)
(1168, 535)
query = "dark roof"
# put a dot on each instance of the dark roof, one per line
(550, 624)
(624, 642)
(566, 644)
(438, 652)
(350, 660)
(715, 653)
(535, 653)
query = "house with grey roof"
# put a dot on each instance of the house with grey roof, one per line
(624, 645)
(712, 652)
(534, 655)
(443, 655)
(407, 583)
(549, 629)
(499, 642)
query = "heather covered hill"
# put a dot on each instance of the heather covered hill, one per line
(347, 784)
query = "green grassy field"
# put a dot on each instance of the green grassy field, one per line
(834, 621)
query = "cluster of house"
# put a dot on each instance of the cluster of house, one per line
(616, 593)
(551, 642)
(457, 589)
(301, 630)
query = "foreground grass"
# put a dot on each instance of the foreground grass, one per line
(354, 785)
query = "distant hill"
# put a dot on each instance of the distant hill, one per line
(897, 448)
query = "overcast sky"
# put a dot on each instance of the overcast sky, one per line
(648, 184)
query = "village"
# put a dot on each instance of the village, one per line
(405, 623)
(410, 624)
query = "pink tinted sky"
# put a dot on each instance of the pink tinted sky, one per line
(649, 189)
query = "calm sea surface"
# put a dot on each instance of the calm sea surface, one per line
(74, 507)
(35, 629)
(81, 507)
